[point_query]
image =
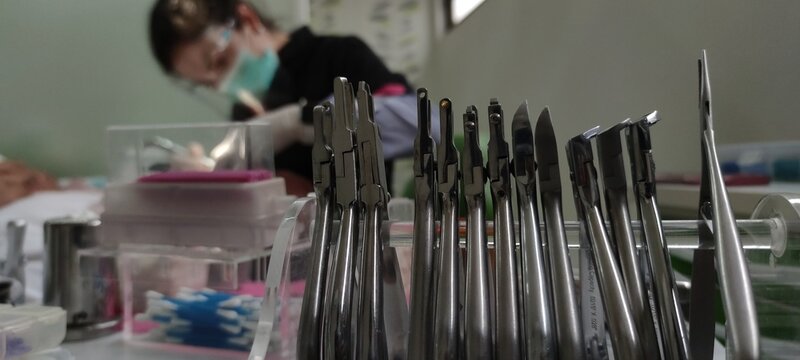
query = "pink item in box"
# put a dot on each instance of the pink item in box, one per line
(227, 176)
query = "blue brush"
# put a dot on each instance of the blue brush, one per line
(204, 318)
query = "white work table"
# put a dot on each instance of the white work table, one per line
(114, 347)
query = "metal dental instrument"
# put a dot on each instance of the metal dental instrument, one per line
(338, 330)
(537, 308)
(665, 291)
(593, 314)
(420, 341)
(565, 303)
(477, 313)
(507, 331)
(14, 266)
(372, 329)
(309, 346)
(624, 336)
(447, 344)
(701, 315)
(735, 287)
(612, 168)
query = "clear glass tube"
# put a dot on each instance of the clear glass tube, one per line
(762, 234)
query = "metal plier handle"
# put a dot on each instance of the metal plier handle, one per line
(477, 307)
(447, 332)
(309, 346)
(612, 168)
(539, 334)
(567, 312)
(624, 335)
(420, 341)
(339, 332)
(665, 291)
(372, 342)
(508, 329)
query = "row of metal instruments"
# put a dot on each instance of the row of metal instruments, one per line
(516, 296)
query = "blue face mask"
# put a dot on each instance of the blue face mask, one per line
(251, 73)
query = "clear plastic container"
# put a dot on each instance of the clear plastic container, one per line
(253, 200)
(136, 151)
(230, 215)
(156, 280)
(779, 160)
(29, 329)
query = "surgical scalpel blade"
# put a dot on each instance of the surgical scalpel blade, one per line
(537, 308)
(477, 314)
(567, 314)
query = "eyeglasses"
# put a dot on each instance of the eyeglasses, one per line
(215, 41)
(218, 40)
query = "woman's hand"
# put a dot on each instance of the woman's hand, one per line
(18, 181)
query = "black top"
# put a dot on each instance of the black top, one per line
(309, 64)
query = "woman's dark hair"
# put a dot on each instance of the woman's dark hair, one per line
(173, 22)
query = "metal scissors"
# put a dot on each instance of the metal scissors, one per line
(537, 308)
(665, 291)
(624, 336)
(309, 346)
(338, 341)
(477, 313)
(567, 314)
(734, 278)
(447, 344)
(612, 169)
(420, 341)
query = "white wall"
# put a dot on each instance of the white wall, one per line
(68, 69)
(598, 62)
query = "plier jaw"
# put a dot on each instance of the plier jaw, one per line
(641, 153)
(609, 152)
(472, 162)
(706, 117)
(547, 155)
(497, 160)
(524, 164)
(584, 174)
(322, 154)
(344, 143)
(373, 173)
(423, 144)
(448, 154)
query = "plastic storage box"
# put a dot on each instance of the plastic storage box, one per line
(778, 160)
(230, 215)
(176, 297)
(28, 329)
(136, 151)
